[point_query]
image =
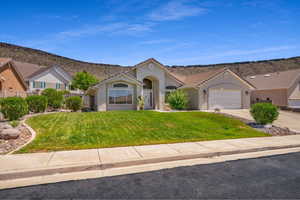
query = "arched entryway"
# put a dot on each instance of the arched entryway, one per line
(148, 93)
(150, 88)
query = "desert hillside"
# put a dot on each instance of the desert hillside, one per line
(39, 57)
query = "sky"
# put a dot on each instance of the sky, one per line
(175, 32)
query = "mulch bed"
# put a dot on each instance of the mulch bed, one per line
(274, 130)
(7, 146)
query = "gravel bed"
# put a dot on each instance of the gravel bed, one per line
(7, 146)
(273, 130)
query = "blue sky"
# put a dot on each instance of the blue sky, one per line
(176, 32)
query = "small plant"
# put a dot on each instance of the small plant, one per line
(55, 98)
(264, 113)
(37, 103)
(217, 110)
(74, 103)
(178, 99)
(13, 108)
(140, 103)
(14, 123)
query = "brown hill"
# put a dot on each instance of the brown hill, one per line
(39, 57)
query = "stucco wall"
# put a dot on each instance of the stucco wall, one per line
(193, 102)
(227, 81)
(278, 97)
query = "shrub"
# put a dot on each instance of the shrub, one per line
(264, 113)
(177, 99)
(55, 98)
(37, 103)
(14, 108)
(74, 103)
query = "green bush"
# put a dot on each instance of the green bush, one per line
(13, 108)
(74, 103)
(37, 103)
(177, 100)
(264, 113)
(55, 98)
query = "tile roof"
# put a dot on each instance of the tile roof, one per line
(27, 69)
(196, 79)
(277, 80)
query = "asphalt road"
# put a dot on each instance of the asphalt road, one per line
(269, 177)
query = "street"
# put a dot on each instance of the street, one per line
(268, 177)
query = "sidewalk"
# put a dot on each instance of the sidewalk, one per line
(36, 164)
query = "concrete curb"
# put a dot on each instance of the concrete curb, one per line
(93, 167)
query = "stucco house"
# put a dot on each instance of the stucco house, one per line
(215, 89)
(49, 77)
(281, 88)
(11, 80)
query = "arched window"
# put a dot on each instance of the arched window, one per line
(120, 85)
(147, 84)
(120, 93)
(171, 87)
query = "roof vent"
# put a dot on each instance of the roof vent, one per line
(267, 75)
(252, 77)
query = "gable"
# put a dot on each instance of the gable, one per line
(12, 80)
(50, 76)
(227, 77)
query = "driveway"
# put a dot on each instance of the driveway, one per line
(285, 119)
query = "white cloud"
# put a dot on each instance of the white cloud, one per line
(175, 10)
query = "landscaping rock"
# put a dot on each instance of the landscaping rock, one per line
(11, 133)
(6, 126)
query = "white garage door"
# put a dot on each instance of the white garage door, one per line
(224, 98)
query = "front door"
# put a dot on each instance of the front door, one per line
(148, 98)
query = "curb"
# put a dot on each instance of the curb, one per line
(92, 167)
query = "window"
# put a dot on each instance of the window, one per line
(58, 86)
(120, 96)
(120, 85)
(39, 84)
(171, 87)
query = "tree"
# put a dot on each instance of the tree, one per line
(83, 80)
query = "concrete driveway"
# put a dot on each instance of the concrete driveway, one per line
(285, 119)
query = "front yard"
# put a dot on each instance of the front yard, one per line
(66, 131)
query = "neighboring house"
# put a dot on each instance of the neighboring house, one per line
(11, 81)
(280, 88)
(49, 77)
(37, 78)
(152, 80)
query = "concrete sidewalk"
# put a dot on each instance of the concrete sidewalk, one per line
(80, 160)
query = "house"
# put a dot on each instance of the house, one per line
(280, 88)
(215, 89)
(36, 78)
(11, 80)
(49, 77)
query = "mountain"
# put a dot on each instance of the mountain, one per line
(72, 66)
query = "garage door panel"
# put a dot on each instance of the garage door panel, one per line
(225, 98)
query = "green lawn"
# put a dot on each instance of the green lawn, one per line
(64, 131)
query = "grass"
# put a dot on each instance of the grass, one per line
(65, 131)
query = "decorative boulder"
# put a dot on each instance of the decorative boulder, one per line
(6, 126)
(11, 133)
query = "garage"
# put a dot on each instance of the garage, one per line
(225, 98)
